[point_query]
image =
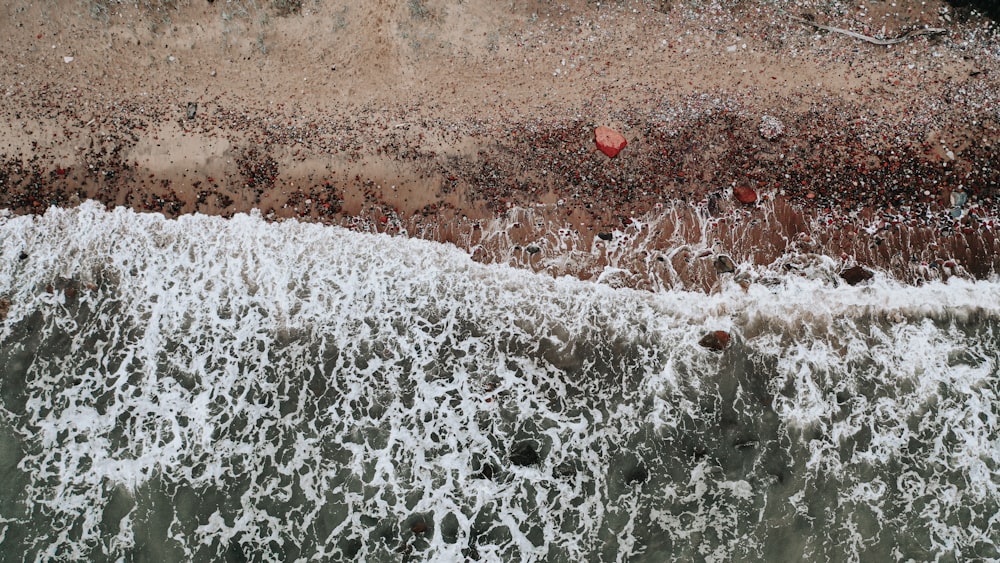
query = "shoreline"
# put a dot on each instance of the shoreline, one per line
(887, 172)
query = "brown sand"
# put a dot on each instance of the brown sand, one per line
(472, 122)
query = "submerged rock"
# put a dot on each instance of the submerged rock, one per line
(715, 340)
(856, 275)
(523, 454)
(637, 474)
(724, 264)
(486, 472)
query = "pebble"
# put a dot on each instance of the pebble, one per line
(856, 275)
(715, 340)
(609, 141)
(724, 264)
(745, 195)
(523, 454)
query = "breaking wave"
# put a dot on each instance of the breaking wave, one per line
(212, 389)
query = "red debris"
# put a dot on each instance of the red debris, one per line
(609, 141)
(745, 194)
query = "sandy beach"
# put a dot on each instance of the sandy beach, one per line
(766, 133)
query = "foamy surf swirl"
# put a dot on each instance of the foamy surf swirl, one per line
(209, 389)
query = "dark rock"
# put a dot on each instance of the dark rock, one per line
(724, 264)
(22, 256)
(856, 275)
(235, 552)
(533, 249)
(716, 340)
(523, 454)
(564, 469)
(192, 109)
(637, 474)
(605, 236)
(487, 472)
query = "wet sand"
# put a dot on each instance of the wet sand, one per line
(751, 135)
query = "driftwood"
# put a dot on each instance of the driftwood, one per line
(874, 40)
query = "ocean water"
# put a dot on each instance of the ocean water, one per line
(203, 389)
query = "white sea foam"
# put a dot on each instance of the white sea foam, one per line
(181, 389)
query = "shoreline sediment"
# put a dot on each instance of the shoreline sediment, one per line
(875, 167)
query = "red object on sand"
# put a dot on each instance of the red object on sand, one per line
(745, 194)
(609, 141)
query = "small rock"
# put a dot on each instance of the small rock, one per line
(856, 275)
(609, 141)
(487, 472)
(605, 236)
(715, 340)
(532, 249)
(523, 454)
(724, 264)
(744, 194)
(67, 59)
(637, 474)
(4, 308)
(22, 256)
(958, 198)
(192, 109)
(771, 127)
(564, 469)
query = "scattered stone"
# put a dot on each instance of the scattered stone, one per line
(532, 249)
(744, 194)
(637, 474)
(487, 472)
(609, 141)
(856, 275)
(523, 454)
(192, 109)
(715, 340)
(67, 60)
(958, 198)
(771, 127)
(22, 256)
(724, 264)
(564, 469)
(605, 236)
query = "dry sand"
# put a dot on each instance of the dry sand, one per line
(472, 122)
